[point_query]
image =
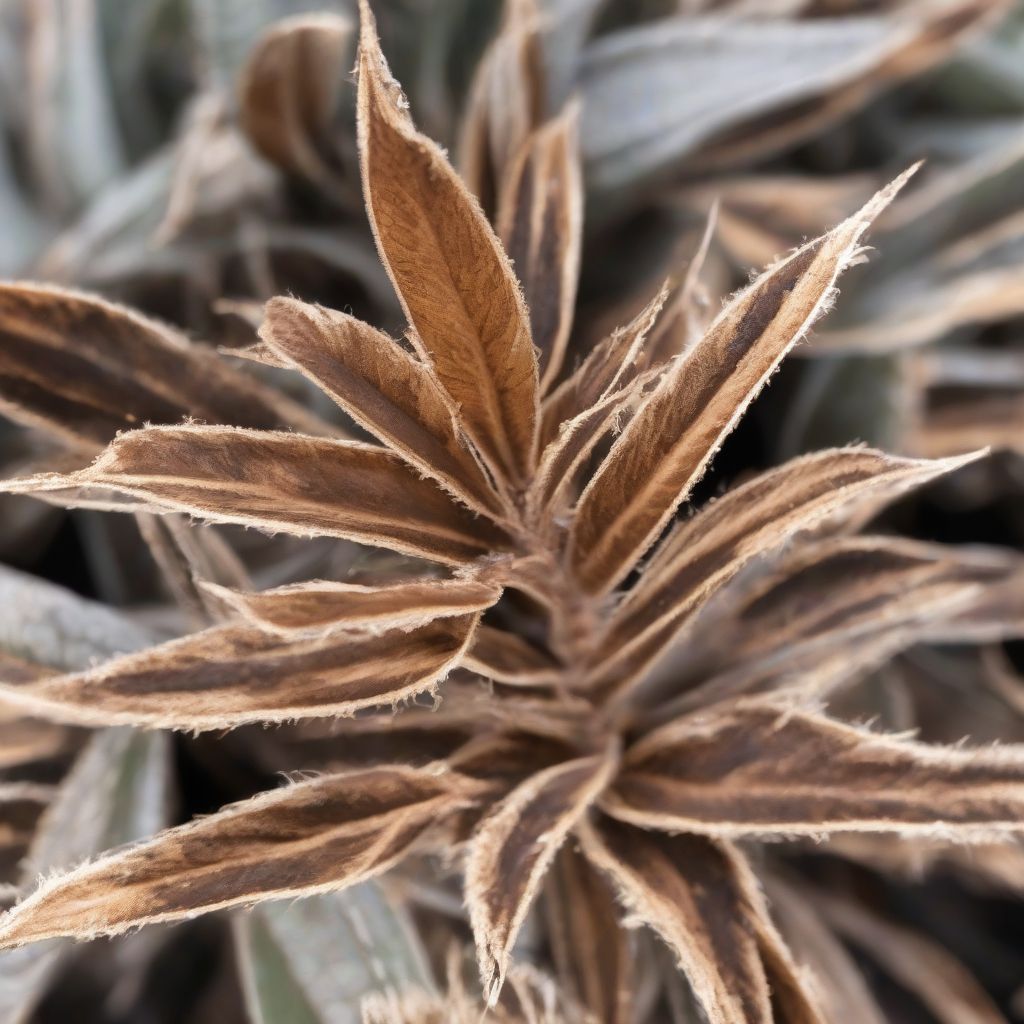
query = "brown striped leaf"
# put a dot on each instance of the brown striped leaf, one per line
(453, 278)
(540, 220)
(507, 658)
(513, 849)
(289, 91)
(323, 606)
(702, 898)
(230, 675)
(83, 368)
(302, 485)
(384, 388)
(609, 367)
(757, 768)
(313, 837)
(590, 948)
(666, 447)
(706, 551)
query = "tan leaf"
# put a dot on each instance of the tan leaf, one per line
(451, 274)
(83, 368)
(302, 485)
(289, 91)
(230, 675)
(941, 982)
(323, 606)
(609, 367)
(590, 947)
(757, 768)
(540, 220)
(508, 658)
(702, 898)
(703, 553)
(994, 420)
(382, 387)
(666, 447)
(513, 849)
(308, 838)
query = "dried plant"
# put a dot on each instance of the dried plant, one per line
(624, 705)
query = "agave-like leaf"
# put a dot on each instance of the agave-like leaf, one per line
(307, 838)
(702, 898)
(513, 849)
(229, 675)
(384, 388)
(754, 768)
(303, 485)
(666, 447)
(84, 368)
(451, 274)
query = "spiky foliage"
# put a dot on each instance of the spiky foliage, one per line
(654, 692)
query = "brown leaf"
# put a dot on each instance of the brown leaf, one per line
(609, 367)
(513, 849)
(668, 444)
(323, 606)
(540, 220)
(301, 485)
(993, 420)
(83, 368)
(703, 553)
(316, 836)
(590, 947)
(508, 658)
(702, 898)
(229, 675)
(759, 768)
(289, 91)
(382, 387)
(941, 982)
(451, 274)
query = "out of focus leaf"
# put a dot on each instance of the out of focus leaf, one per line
(313, 961)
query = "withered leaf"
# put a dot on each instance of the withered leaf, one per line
(507, 658)
(289, 90)
(323, 606)
(228, 675)
(84, 368)
(704, 552)
(312, 837)
(513, 848)
(590, 947)
(668, 444)
(384, 388)
(756, 767)
(702, 898)
(451, 274)
(275, 481)
(540, 220)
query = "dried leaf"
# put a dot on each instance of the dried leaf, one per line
(540, 220)
(302, 485)
(704, 552)
(507, 658)
(702, 898)
(513, 848)
(455, 282)
(322, 606)
(668, 444)
(590, 948)
(230, 675)
(84, 368)
(308, 838)
(386, 390)
(289, 91)
(758, 768)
